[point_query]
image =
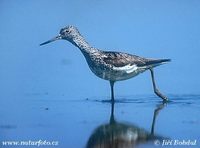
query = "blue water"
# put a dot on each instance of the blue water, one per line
(73, 121)
(46, 93)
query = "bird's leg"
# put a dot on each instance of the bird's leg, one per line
(156, 91)
(112, 91)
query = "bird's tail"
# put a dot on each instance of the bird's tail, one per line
(157, 62)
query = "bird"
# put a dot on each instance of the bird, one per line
(113, 66)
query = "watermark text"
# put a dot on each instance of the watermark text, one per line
(37, 143)
(176, 142)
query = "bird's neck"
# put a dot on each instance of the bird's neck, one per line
(84, 46)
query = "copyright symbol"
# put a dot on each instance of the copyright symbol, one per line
(157, 142)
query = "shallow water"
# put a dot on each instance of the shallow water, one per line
(133, 121)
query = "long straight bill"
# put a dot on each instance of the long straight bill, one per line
(51, 40)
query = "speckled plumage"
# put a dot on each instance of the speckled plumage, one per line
(108, 65)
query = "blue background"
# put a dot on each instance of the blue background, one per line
(156, 29)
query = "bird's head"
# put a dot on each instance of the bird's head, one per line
(66, 33)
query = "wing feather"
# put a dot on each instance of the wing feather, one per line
(119, 59)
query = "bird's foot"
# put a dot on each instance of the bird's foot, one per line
(163, 97)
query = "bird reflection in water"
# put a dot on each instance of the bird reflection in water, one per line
(122, 135)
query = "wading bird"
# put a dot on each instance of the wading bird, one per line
(110, 65)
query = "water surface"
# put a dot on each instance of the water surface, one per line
(133, 121)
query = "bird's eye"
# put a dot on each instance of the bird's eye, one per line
(67, 31)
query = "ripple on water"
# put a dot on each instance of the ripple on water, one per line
(189, 99)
